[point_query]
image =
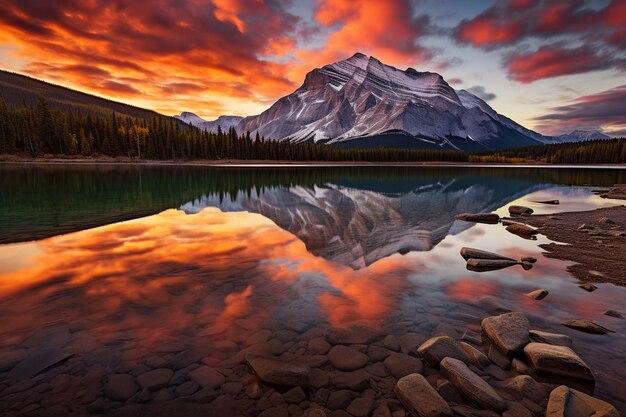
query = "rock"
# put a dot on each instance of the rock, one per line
(120, 387)
(206, 376)
(275, 412)
(354, 333)
(448, 392)
(319, 346)
(521, 230)
(361, 407)
(568, 402)
(391, 343)
(557, 360)
(605, 220)
(314, 412)
(586, 327)
(339, 400)
(437, 348)
(485, 265)
(420, 398)
(232, 388)
(488, 218)
(471, 253)
(476, 356)
(584, 227)
(355, 380)
(587, 286)
(274, 371)
(467, 411)
(525, 386)
(529, 259)
(155, 379)
(520, 367)
(539, 294)
(377, 353)
(37, 361)
(509, 331)
(294, 396)
(187, 388)
(520, 210)
(517, 410)
(345, 358)
(550, 338)
(554, 202)
(410, 341)
(613, 313)
(471, 385)
(400, 365)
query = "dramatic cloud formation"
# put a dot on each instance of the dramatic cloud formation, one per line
(511, 22)
(605, 111)
(216, 57)
(553, 61)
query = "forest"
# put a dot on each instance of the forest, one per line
(42, 131)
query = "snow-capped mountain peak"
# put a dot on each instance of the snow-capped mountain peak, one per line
(224, 122)
(361, 101)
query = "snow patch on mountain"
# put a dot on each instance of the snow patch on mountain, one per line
(224, 122)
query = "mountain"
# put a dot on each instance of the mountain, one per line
(581, 135)
(225, 122)
(19, 90)
(361, 102)
(355, 225)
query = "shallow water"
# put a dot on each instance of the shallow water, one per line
(122, 268)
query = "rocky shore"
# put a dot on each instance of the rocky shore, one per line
(500, 367)
(595, 240)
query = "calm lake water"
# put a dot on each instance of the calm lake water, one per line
(116, 269)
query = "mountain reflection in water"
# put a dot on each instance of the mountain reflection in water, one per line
(272, 258)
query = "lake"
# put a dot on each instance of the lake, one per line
(108, 272)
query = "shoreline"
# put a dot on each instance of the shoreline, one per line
(278, 163)
(591, 239)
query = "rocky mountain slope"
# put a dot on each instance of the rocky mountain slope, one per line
(362, 102)
(224, 122)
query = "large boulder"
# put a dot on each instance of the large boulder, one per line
(420, 398)
(437, 348)
(509, 331)
(471, 385)
(568, 402)
(274, 371)
(345, 358)
(557, 360)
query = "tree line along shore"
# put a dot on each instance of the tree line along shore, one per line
(40, 131)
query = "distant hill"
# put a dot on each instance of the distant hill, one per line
(17, 90)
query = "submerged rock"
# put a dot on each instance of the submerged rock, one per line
(37, 361)
(354, 333)
(539, 294)
(557, 360)
(568, 402)
(471, 385)
(488, 218)
(587, 326)
(613, 313)
(509, 331)
(274, 371)
(120, 387)
(419, 397)
(471, 253)
(400, 365)
(587, 286)
(550, 338)
(437, 348)
(484, 265)
(345, 358)
(520, 210)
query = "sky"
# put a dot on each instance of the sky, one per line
(553, 66)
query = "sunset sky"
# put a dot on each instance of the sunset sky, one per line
(551, 65)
